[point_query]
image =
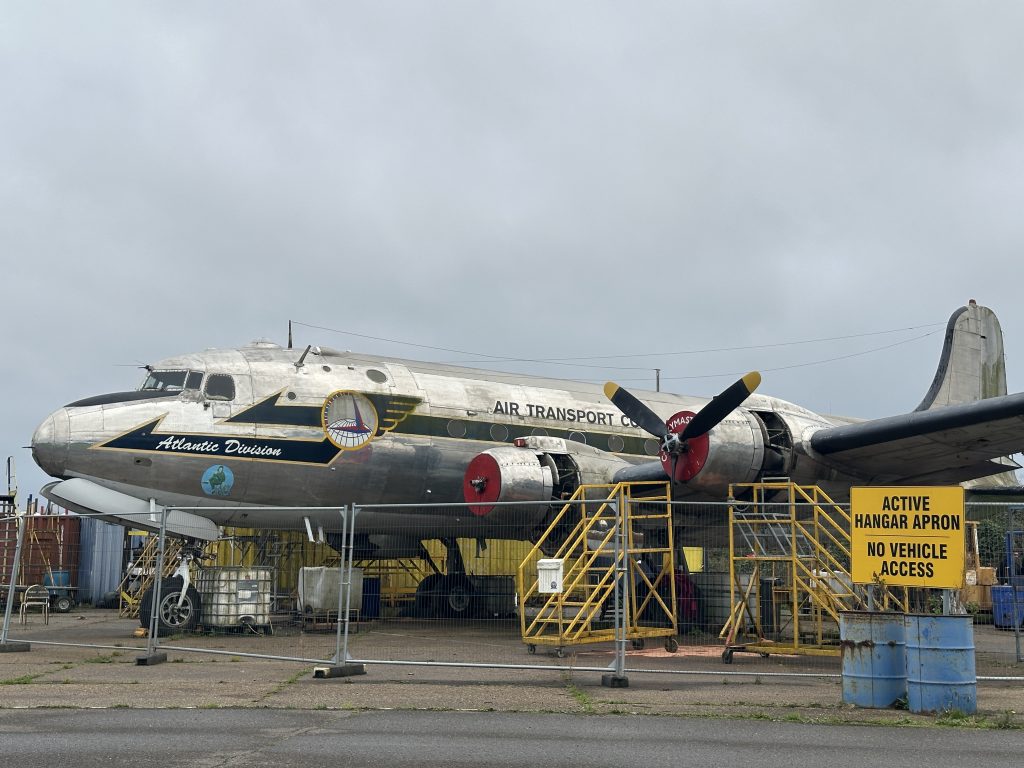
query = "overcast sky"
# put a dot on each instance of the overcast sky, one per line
(524, 180)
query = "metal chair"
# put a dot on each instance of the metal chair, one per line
(36, 596)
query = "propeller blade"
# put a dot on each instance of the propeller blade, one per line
(720, 406)
(641, 415)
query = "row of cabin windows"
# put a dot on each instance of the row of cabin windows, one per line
(219, 386)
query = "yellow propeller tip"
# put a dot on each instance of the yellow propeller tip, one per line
(752, 381)
(610, 388)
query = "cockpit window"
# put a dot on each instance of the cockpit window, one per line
(168, 381)
(220, 386)
(172, 381)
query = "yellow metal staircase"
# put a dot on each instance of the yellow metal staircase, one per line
(789, 570)
(595, 561)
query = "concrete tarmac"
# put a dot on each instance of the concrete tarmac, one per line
(692, 683)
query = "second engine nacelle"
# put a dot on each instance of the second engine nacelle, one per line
(508, 474)
(538, 469)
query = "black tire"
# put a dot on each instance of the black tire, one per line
(63, 603)
(458, 598)
(428, 597)
(170, 618)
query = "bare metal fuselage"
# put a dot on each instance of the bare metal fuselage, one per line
(271, 439)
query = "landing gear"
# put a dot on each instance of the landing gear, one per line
(175, 613)
(458, 597)
(450, 596)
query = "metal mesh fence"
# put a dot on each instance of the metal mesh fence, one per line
(674, 587)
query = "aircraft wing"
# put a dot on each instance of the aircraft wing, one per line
(941, 445)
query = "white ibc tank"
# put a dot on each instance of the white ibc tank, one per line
(234, 596)
(318, 589)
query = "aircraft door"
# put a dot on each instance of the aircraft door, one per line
(227, 391)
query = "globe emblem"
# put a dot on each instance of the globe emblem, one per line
(350, 420)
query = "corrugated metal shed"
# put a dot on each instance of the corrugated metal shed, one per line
(100, 564)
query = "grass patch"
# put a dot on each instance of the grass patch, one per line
(582, 698)
(23, 680)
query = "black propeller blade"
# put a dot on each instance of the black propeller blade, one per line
(721, 406)
(711, 414)
(641, 415)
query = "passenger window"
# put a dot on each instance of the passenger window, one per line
(220, 386)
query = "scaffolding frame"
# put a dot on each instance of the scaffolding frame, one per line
(641, 565)
(792, 543)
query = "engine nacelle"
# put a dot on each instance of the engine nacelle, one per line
(735, 454)
(536, 468)
(507, 474)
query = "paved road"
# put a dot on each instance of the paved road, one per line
(282, 738)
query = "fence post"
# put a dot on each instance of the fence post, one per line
(14, 647)
(152, 655)
(344, 590)
(618, 679)
(341, 666)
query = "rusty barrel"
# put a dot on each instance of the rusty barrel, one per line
(874, 658)
(940, 664)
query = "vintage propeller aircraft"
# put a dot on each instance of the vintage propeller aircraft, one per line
(242, 437)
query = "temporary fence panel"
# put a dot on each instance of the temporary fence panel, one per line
(466, 609)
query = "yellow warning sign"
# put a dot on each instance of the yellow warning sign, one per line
(908, 536)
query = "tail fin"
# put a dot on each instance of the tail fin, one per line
(972, 366)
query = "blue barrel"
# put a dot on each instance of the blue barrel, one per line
(874, 658)
(1006, 615)
(940, 664)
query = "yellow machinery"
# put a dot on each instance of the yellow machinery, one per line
(789, 571)
(139, 576)
(593, 558)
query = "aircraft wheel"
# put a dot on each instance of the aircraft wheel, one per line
(429, 595)
(171, 617)
(62, 604)
(531, 649)
(727, 656)
(671, 645)
(457, 597)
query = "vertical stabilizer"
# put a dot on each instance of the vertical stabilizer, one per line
(971, 366)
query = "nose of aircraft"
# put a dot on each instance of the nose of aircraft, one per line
(50, 443)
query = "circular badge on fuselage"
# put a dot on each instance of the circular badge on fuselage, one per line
(349, 419)
(217, 480)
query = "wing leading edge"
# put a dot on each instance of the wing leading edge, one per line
(943, 445)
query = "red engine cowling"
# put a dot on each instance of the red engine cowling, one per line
(507, 474)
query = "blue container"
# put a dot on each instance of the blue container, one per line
(57, 581)
(874, 658)
(940, 664)
(1003, 608)
(370, 607)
